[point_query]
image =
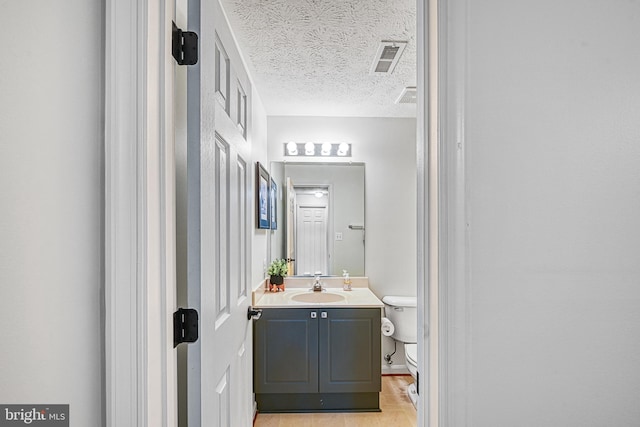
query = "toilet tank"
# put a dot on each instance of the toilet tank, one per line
(403, 313)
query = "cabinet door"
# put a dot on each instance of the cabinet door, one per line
(286, 351)
(350, 360)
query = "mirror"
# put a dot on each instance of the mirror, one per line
(319, 217)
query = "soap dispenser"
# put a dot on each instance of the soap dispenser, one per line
(347, 281)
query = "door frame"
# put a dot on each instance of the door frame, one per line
(139, 219)
(139, 373)
(442, 214)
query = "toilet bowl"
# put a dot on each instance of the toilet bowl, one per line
(411, 359)
(402, 312)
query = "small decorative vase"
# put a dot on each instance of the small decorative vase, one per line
(276, 280)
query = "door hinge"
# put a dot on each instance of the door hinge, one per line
(184, 46)
(185, 326)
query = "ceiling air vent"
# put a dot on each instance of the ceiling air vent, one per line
(387, 57)
(408, 96)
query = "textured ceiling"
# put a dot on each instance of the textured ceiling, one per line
(312, 57)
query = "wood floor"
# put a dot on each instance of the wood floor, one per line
(397, 411)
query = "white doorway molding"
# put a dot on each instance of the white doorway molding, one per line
(139, 378)
(442, 271)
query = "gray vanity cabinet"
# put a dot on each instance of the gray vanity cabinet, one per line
(314, 359)
(349, 350)
(286, 351)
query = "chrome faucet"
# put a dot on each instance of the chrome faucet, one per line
(317, 285)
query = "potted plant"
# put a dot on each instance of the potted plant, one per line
(277, 271)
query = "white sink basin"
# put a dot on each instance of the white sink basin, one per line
(318, 297)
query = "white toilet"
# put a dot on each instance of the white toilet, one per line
(403, 314)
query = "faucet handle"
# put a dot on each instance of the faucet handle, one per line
(317, 285)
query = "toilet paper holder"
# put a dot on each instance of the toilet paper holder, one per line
(387, 327)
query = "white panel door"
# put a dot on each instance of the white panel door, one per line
(218, 220)
(311, 240)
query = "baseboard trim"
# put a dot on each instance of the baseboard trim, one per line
(395, 370)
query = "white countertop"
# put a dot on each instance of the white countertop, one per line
(359, 297)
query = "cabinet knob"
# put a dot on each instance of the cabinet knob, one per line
(324, 315)
(314, 314)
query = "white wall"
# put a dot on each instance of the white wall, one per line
(51, 181)
(553, 155)
(259, 154)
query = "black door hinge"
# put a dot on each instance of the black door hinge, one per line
(185, 326)
(184, 46)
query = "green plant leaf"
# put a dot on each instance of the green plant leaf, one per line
(278, 267)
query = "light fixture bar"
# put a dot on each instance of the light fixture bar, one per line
(316, 149)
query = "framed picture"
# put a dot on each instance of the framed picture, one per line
(263, 219)
(273, 205)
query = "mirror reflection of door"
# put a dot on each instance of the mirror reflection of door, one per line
(290, 228)
(312, 235)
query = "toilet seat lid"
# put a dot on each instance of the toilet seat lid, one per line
(411, 351)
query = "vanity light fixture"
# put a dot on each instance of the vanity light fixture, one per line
(315, 149)
(309, 149)
(291, 148)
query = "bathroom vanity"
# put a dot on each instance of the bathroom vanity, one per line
(318, 356)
